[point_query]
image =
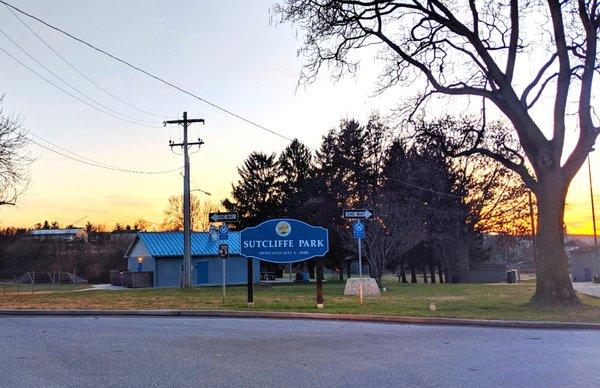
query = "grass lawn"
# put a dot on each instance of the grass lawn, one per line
(6, 288)
(486, 301)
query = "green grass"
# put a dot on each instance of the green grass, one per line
(12, 288)
(484, 301)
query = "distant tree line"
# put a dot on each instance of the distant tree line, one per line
(430, 210)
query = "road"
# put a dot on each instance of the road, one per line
(145, 352)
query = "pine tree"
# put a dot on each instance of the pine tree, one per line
(295, 167)
(255, 196)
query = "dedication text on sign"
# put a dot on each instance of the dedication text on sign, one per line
(284, 241)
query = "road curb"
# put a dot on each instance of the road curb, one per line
(309, 316)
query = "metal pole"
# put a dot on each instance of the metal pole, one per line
(532, 229)
(290, 272)
(223, 280)
(360, 286)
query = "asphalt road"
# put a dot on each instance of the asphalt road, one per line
(144, 352)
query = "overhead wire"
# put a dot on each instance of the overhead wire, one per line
(74, 88)
(425, 188)
(69, 93)
(85, 160)
(180, 89)
(147, 73)
(51, 48)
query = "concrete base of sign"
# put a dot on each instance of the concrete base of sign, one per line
(320, 305)
(250, 304)
(369, 286)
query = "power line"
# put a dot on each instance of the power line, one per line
(88, 161)
(425, 189)
(137, 68)
(69, 93)
(68, 84)
(78, 71)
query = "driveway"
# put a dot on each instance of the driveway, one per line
(587, 288)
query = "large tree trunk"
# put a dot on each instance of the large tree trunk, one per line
(413, 274)
(553, 285)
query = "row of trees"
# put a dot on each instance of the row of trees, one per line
(423, 200)
(531, 62)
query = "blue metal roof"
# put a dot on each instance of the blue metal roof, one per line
(165, 244)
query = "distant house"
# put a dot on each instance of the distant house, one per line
(73, 234)
(162, 254)
(585, 263)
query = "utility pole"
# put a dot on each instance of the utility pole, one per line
(187, 252)
(592, 199)
(532, 230)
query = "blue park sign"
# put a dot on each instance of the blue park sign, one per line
(284, 241)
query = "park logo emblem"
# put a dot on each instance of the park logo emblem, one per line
(283, 228)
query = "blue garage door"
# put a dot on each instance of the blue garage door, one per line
(202, 271)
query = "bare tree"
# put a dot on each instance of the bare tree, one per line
(208, 206)
(14, 159)
(173, 214)
(471, 48)
(397, 227)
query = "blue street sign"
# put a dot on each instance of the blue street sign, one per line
(359, 229)
(284, 241)
(223, 232)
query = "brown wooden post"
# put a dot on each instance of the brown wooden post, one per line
(250, 271)
(319, 282)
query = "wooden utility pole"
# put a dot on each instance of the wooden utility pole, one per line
(593, 209)
(187, 252)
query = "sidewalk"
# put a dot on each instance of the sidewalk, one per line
(588, 288)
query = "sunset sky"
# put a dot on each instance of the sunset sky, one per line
(229, 52)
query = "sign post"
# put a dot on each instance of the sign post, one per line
(223, 255)
(285, 241)
(359, 234)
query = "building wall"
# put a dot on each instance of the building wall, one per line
(149, 263)
(582, 260)
(168, 271)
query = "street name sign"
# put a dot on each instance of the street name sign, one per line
(284, 241)
(357, 214)
(223, 217)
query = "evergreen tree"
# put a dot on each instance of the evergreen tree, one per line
(295, 167)
(255, 195)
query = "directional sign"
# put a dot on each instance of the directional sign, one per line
(223, 251)
(223, 232)
(284, 241)
(223, 217)
(357, 214)
(359, 229)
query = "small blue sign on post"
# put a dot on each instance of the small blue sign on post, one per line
(223, 232)
(284, 241)
(359, 229)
